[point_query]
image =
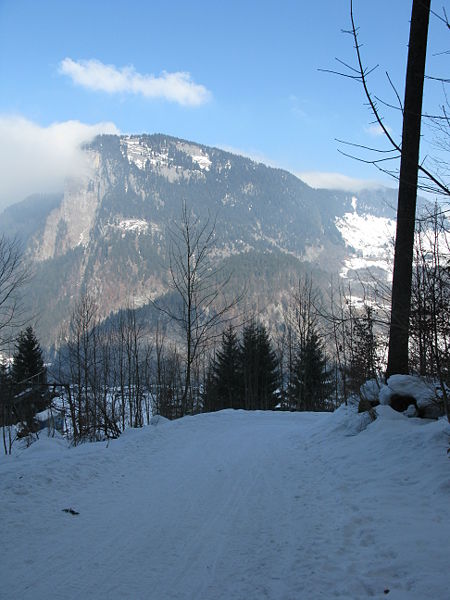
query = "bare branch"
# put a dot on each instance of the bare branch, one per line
(14, 274)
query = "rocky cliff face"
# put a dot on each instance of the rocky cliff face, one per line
(108, 231)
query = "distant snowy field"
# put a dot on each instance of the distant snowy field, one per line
(233, 506)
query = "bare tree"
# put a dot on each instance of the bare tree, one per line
(82, 362)
(430, 323)
(412, 174)
(200, 287)
(166, 399)
(133, 356)
(354, 331)
(13, 276)
(407, 191)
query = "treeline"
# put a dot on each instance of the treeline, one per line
(106, 378)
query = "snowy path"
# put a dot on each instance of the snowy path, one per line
(227, 506)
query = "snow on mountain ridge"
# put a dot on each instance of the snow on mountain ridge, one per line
(138, 153)
(197, 154)
(370, 236)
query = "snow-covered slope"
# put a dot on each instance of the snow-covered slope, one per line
(370, 237)
(232, 505)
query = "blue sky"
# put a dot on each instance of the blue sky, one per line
(241, 75)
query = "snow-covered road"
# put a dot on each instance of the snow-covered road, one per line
(232, 505)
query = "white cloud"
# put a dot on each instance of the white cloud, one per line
(175, 87)
(376, 130)
(337, 181)
(37, 159)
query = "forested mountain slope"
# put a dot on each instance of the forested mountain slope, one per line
(108, 231)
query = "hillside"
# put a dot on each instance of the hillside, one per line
(232, 505)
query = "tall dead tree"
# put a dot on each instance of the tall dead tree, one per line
(407, 191)
(410, 168)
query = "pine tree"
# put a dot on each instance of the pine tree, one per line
(5, 394)
(4, 375)
(310, 385)
(226, 383)
(28, 364)
(209, 393)
(29, 376)
(259, 368)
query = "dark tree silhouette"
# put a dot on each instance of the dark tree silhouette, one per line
(259, 368)
(310, 385)
(225, 383)
(29, 377)
(407, 191)
(28, 364)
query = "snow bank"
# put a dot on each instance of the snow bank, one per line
(411, 385)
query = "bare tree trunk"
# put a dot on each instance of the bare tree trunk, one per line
(407, 193)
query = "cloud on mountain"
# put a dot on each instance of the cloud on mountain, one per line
(337, 181)
(175, 87)
(37, 159)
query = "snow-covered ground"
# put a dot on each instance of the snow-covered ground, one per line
(233, 506)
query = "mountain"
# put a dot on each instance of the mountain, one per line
(108, 231)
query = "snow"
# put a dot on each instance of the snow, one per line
(197, 154)
(370, 236)
(138, 153)
(136, 225)
(232, 505)
(5, 360)
(370, 389)
(409, 385)
(202, 160)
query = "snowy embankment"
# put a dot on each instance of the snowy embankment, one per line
(233, 505)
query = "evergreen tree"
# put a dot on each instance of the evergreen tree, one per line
(4, 375)
(5, 394)
(225, 383)
(259, 368)
(29, 376)
(209, 393)
(310, 386)
(28, 364)
(249, 360)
